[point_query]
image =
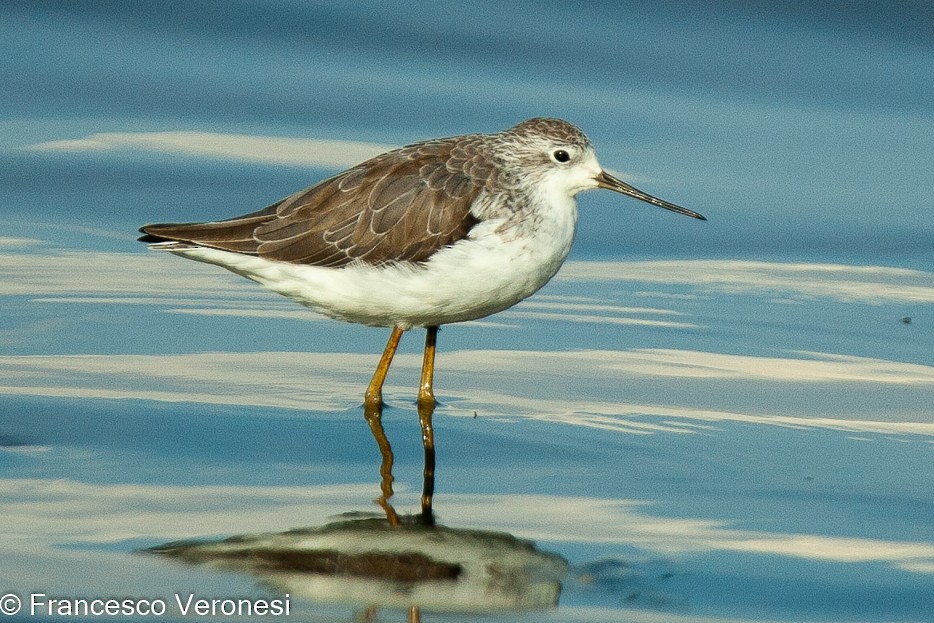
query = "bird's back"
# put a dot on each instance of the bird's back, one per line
(402, 206)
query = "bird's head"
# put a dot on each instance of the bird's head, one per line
(566, 162)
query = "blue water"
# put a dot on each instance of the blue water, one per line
(727, 420)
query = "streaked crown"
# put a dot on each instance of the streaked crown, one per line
(545, 151)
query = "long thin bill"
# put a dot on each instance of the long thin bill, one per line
(607, 181)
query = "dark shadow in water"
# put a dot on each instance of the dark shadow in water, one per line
(394, 561)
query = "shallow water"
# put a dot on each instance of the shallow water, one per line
(721, 421)
(730, 463)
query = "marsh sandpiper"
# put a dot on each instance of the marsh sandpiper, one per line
(442, 231)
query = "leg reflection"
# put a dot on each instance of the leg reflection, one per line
(425, 411)
(373, 413)
(374, 417)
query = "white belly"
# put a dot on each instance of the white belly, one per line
(476, 277)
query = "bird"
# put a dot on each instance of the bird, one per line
(441, 231)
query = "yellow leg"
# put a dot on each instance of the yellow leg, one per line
(426, 395)
(374, 392)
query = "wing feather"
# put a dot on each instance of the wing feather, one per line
(400, 206)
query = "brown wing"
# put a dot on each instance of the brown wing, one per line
(400, 206)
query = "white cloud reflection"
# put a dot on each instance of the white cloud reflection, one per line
(10, 242)
(76, 273)
(57, 511)
(631, 522)
(805, 368)
(241, 147)
(862, 284)
(318, 381)
(564, 316)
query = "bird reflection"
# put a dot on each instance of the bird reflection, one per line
(392, 560)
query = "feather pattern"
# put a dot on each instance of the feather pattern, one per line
(403, 205)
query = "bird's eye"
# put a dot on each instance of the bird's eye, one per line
(560, 155)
